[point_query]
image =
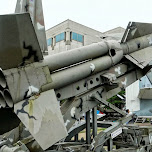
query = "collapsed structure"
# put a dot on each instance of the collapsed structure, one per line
(84, 77)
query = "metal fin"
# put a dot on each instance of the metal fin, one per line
(34, 7)
(135, 30)
(21, 46)
(141, 58)
(42, 116)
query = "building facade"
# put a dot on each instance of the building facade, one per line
(69, 35)
(139, 97)
(116, 34)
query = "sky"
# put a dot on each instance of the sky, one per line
(101, 15)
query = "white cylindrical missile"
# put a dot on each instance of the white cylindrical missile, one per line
(73, 74)
(96, 50)
(73, 56)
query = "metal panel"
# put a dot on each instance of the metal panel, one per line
(135, 30)
(141, 58)
(73, 109)
(18, 41)
(90, 82)
(34, 7)
(39, 113)
(20, 79)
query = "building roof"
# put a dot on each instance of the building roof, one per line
(118, 29)
(114, 30)
(68, 21)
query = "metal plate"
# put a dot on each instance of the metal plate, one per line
(141, 58)
(18, 41)
(135, 30)
(20, 79)
(41, 115)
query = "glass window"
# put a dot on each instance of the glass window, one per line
(80, 38)
(57, 38)
(74, 36)
(77, 37)
(49, 42)
(60, 37)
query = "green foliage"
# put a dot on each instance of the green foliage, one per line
(116, 100)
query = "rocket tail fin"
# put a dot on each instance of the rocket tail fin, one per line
(135, 30)
(35, 9)
(18, 41)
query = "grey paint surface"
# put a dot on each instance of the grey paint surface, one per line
(34, 8)
(141, 57)
(92, 51)
(91, 81)
(135, 30)
(39, 110)
(18, 47)
(40, 113)
(20, 80)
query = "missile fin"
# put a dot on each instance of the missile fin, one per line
(41, 115)
(135, 30)
(19, 44)
(35, 9)
(141, 58)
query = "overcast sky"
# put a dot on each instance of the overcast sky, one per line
(101, 15)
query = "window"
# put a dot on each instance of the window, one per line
(74, 36)
(49, 41)
(80, 38)
(60, 37)
(77, 37)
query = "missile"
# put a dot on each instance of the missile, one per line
(96, 50)
(28, 82)
(66, 76)
(114, 54)
(73, 56)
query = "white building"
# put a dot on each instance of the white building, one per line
(139, 97)
(69, 35)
